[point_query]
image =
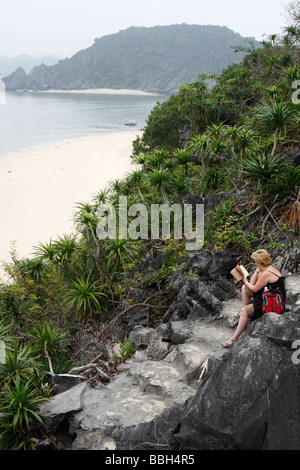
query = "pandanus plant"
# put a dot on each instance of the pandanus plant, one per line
(48, 340)
(20, 406)
(87, 297)
(276, 116)
(159, 178)
(183, 157)
(136, 179)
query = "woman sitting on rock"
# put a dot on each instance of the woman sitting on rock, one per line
(252, 291)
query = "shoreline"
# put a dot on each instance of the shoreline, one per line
(4, 157)
(99, 91)
(40, 187)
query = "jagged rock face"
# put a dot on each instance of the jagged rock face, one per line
(246, 399)
(251, 401)
(182, 390)
(202, 294)
(289, 262)
(18, 79)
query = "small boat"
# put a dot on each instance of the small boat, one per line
(130, 123)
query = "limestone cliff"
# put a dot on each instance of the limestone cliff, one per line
(158, 60)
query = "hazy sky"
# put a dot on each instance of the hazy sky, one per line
(63, 27)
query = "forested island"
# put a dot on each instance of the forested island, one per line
(156, 60)
(233, 147)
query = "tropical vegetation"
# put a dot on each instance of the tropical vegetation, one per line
(242, 127)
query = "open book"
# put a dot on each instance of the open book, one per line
(239, 272)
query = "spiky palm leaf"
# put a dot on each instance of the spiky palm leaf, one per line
(85, 296)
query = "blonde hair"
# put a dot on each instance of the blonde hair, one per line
(261, 257)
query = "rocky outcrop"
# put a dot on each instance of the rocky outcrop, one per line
(289, 261)
(203, 293)
(18, 80)
(252, 400)
(181, 389)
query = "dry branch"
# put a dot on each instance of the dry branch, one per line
(88, 368)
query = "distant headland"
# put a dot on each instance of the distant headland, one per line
(155, 60)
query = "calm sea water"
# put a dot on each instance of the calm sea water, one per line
(33, 119)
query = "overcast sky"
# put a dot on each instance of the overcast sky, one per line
(63, 27)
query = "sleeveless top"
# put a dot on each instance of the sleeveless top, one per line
(257, 296)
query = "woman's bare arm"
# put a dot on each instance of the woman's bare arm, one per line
(260, 283)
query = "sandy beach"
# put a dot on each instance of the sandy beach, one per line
(100, 91)
(39, 188)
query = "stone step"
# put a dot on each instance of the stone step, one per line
(139, 393)
(209, 334)
(160, 378)
(205, 342)
(146, 388)
(119, 403)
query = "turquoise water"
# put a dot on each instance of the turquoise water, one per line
(33, 119)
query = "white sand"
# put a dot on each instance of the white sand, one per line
(39, 188)
(100, 91)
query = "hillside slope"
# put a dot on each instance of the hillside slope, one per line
(158, 60)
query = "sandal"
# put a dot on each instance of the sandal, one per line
(228, 343)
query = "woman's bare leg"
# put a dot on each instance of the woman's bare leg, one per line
(245, 314)
(246, 298)
(242, 325)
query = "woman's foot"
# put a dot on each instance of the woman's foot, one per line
(228, 343)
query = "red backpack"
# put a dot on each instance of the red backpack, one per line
(272, 301)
